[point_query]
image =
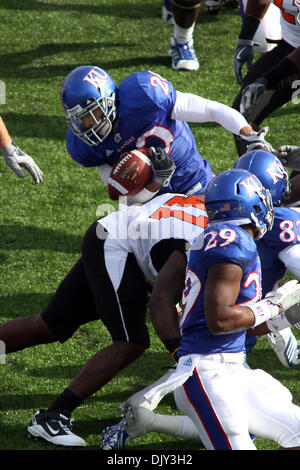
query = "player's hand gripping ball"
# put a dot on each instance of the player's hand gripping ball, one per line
(130, 174)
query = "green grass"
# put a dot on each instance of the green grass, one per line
(41, 227)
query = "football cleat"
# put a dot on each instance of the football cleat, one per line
(136, 422)
(183, 55)
(54, 427)
(166, 13)
(285, 345)
(115, 437)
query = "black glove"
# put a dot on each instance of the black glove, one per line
(251, 93)
(289, 155)
(163, 166)
(243, 55)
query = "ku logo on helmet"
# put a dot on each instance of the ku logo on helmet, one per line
(95, 77)
(276, 170)
(252, 186)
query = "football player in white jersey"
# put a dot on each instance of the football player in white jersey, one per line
(268, 85)
(16, 159)
(123, 254)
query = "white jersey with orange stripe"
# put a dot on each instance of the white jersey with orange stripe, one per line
(138, 228)
(290, 20)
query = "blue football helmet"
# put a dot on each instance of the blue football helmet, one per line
(237, 196)
(269, 170)
(89, 95)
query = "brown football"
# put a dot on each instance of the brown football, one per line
(130, 174)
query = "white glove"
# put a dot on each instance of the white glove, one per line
(289, 155)
(286, 296)
(16, 159)
(285, 345)
(256, 141)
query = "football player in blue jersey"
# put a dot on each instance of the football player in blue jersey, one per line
(144, 110)
(279, 249)
(222, 398)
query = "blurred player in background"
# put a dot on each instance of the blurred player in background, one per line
(124, 256)
(182, 15)
(268, 85)
(16, 159)
(144, 110)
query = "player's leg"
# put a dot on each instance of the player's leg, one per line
(272, 414)
(120, 295)
(214, 400)
(185, 14)
(113, 299)
(58, 320)
(71, 306)
(139, 419)
(167, 13)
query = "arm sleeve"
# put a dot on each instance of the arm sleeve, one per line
(290, 257)
(193, 108)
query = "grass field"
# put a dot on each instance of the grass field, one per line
(41, 227)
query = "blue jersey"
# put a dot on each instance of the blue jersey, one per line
(145, 104)
(222, 243)
(285, 232)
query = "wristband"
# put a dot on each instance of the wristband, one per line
(263, 311)
(249, 27)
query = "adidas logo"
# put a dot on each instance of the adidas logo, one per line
(188, 362)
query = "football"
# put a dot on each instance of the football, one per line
(130, 174)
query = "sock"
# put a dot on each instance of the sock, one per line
(183, 35)
(181, 426)
(65, 403)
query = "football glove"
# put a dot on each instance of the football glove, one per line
(243, 55)
(256, 141)
(289, 155)
(16, 159)
(286, 297)
(163, 166)
(251, 93)
(285, 346)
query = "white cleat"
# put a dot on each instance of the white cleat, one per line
(54, 427)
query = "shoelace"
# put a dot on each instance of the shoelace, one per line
(184, 51)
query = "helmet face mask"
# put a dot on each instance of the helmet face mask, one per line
(89, 100)
(269, 170)
(238, 197)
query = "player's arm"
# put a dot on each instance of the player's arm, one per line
(16, 159)
(276, 78)
(221, 292)
(193, 108)
(255, 11)
(223, 315)
(166, 294)
(290, 257)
